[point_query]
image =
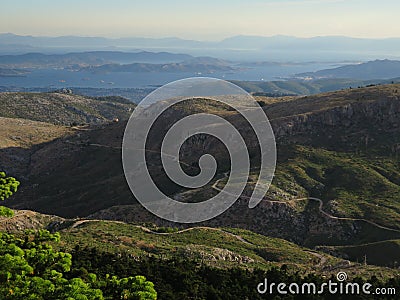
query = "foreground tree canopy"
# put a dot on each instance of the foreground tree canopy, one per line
(31, 269)
(8, 186)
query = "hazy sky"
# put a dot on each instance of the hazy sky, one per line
(201, 19)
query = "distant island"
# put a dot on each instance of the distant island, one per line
(382, 69)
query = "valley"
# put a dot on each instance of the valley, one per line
(334, 202)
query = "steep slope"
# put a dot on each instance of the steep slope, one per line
(74, 174)
(20, 138)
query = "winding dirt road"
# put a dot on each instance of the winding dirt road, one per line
(320, 208)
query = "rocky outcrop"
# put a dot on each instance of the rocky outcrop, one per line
(358, 117)
(384, 113)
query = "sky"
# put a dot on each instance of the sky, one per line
(201, 19)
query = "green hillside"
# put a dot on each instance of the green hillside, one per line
(340, 148)
(216, 247)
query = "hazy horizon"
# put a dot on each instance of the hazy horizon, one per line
(200, 39)
(206, 20)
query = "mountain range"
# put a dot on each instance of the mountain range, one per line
(249, 48)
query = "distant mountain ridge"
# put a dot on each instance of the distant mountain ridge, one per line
(89, 58)
(240, 41)
(237, 47)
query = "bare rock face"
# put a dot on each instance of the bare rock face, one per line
(26, 219)
(214, 254)
(386, 112)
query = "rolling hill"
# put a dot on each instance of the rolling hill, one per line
(63, 108)
(216, 247)
(199, 262)
(336, 186)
